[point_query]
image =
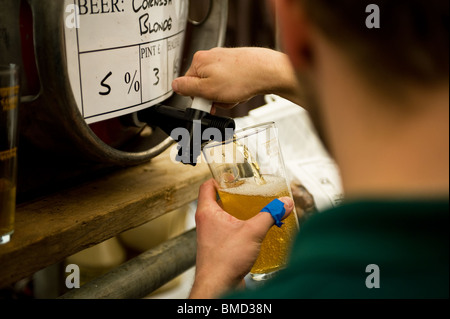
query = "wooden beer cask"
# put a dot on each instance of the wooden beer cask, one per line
(57, 144)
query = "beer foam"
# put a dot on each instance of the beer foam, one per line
(273, 185)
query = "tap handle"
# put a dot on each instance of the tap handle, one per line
(202, 104)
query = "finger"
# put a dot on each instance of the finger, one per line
(226, 106)
(187, 86)
(264, 220)
(192, 71)
(207, 194)
(288, 205)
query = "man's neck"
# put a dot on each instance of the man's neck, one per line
(386, 147)
(396, 153)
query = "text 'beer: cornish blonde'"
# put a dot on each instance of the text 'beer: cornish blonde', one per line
(245, 200)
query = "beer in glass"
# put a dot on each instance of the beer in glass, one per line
(249, 172)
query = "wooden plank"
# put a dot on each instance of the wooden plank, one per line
(52, 228)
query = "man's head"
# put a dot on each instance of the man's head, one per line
(379, 96)
(410, 46)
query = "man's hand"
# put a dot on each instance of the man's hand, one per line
(226, 247)
(229, 76)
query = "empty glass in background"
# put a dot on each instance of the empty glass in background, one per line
(9, 104)
(249, 172)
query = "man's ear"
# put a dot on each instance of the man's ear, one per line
(294, 32)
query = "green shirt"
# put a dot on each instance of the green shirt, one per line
(407, 241)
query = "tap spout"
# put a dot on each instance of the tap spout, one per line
(190, 128)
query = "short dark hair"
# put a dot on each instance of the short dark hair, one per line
(412, 43)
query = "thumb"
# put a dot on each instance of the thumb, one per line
(274, 212)
(187, 86)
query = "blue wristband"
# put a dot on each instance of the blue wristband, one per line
(277, 210)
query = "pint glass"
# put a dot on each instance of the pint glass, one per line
(249, 172)
(9, 102)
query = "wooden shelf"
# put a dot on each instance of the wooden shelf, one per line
(52, 228)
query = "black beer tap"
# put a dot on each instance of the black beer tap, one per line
(190, 127)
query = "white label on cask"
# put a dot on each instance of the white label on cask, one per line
(123, 55)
